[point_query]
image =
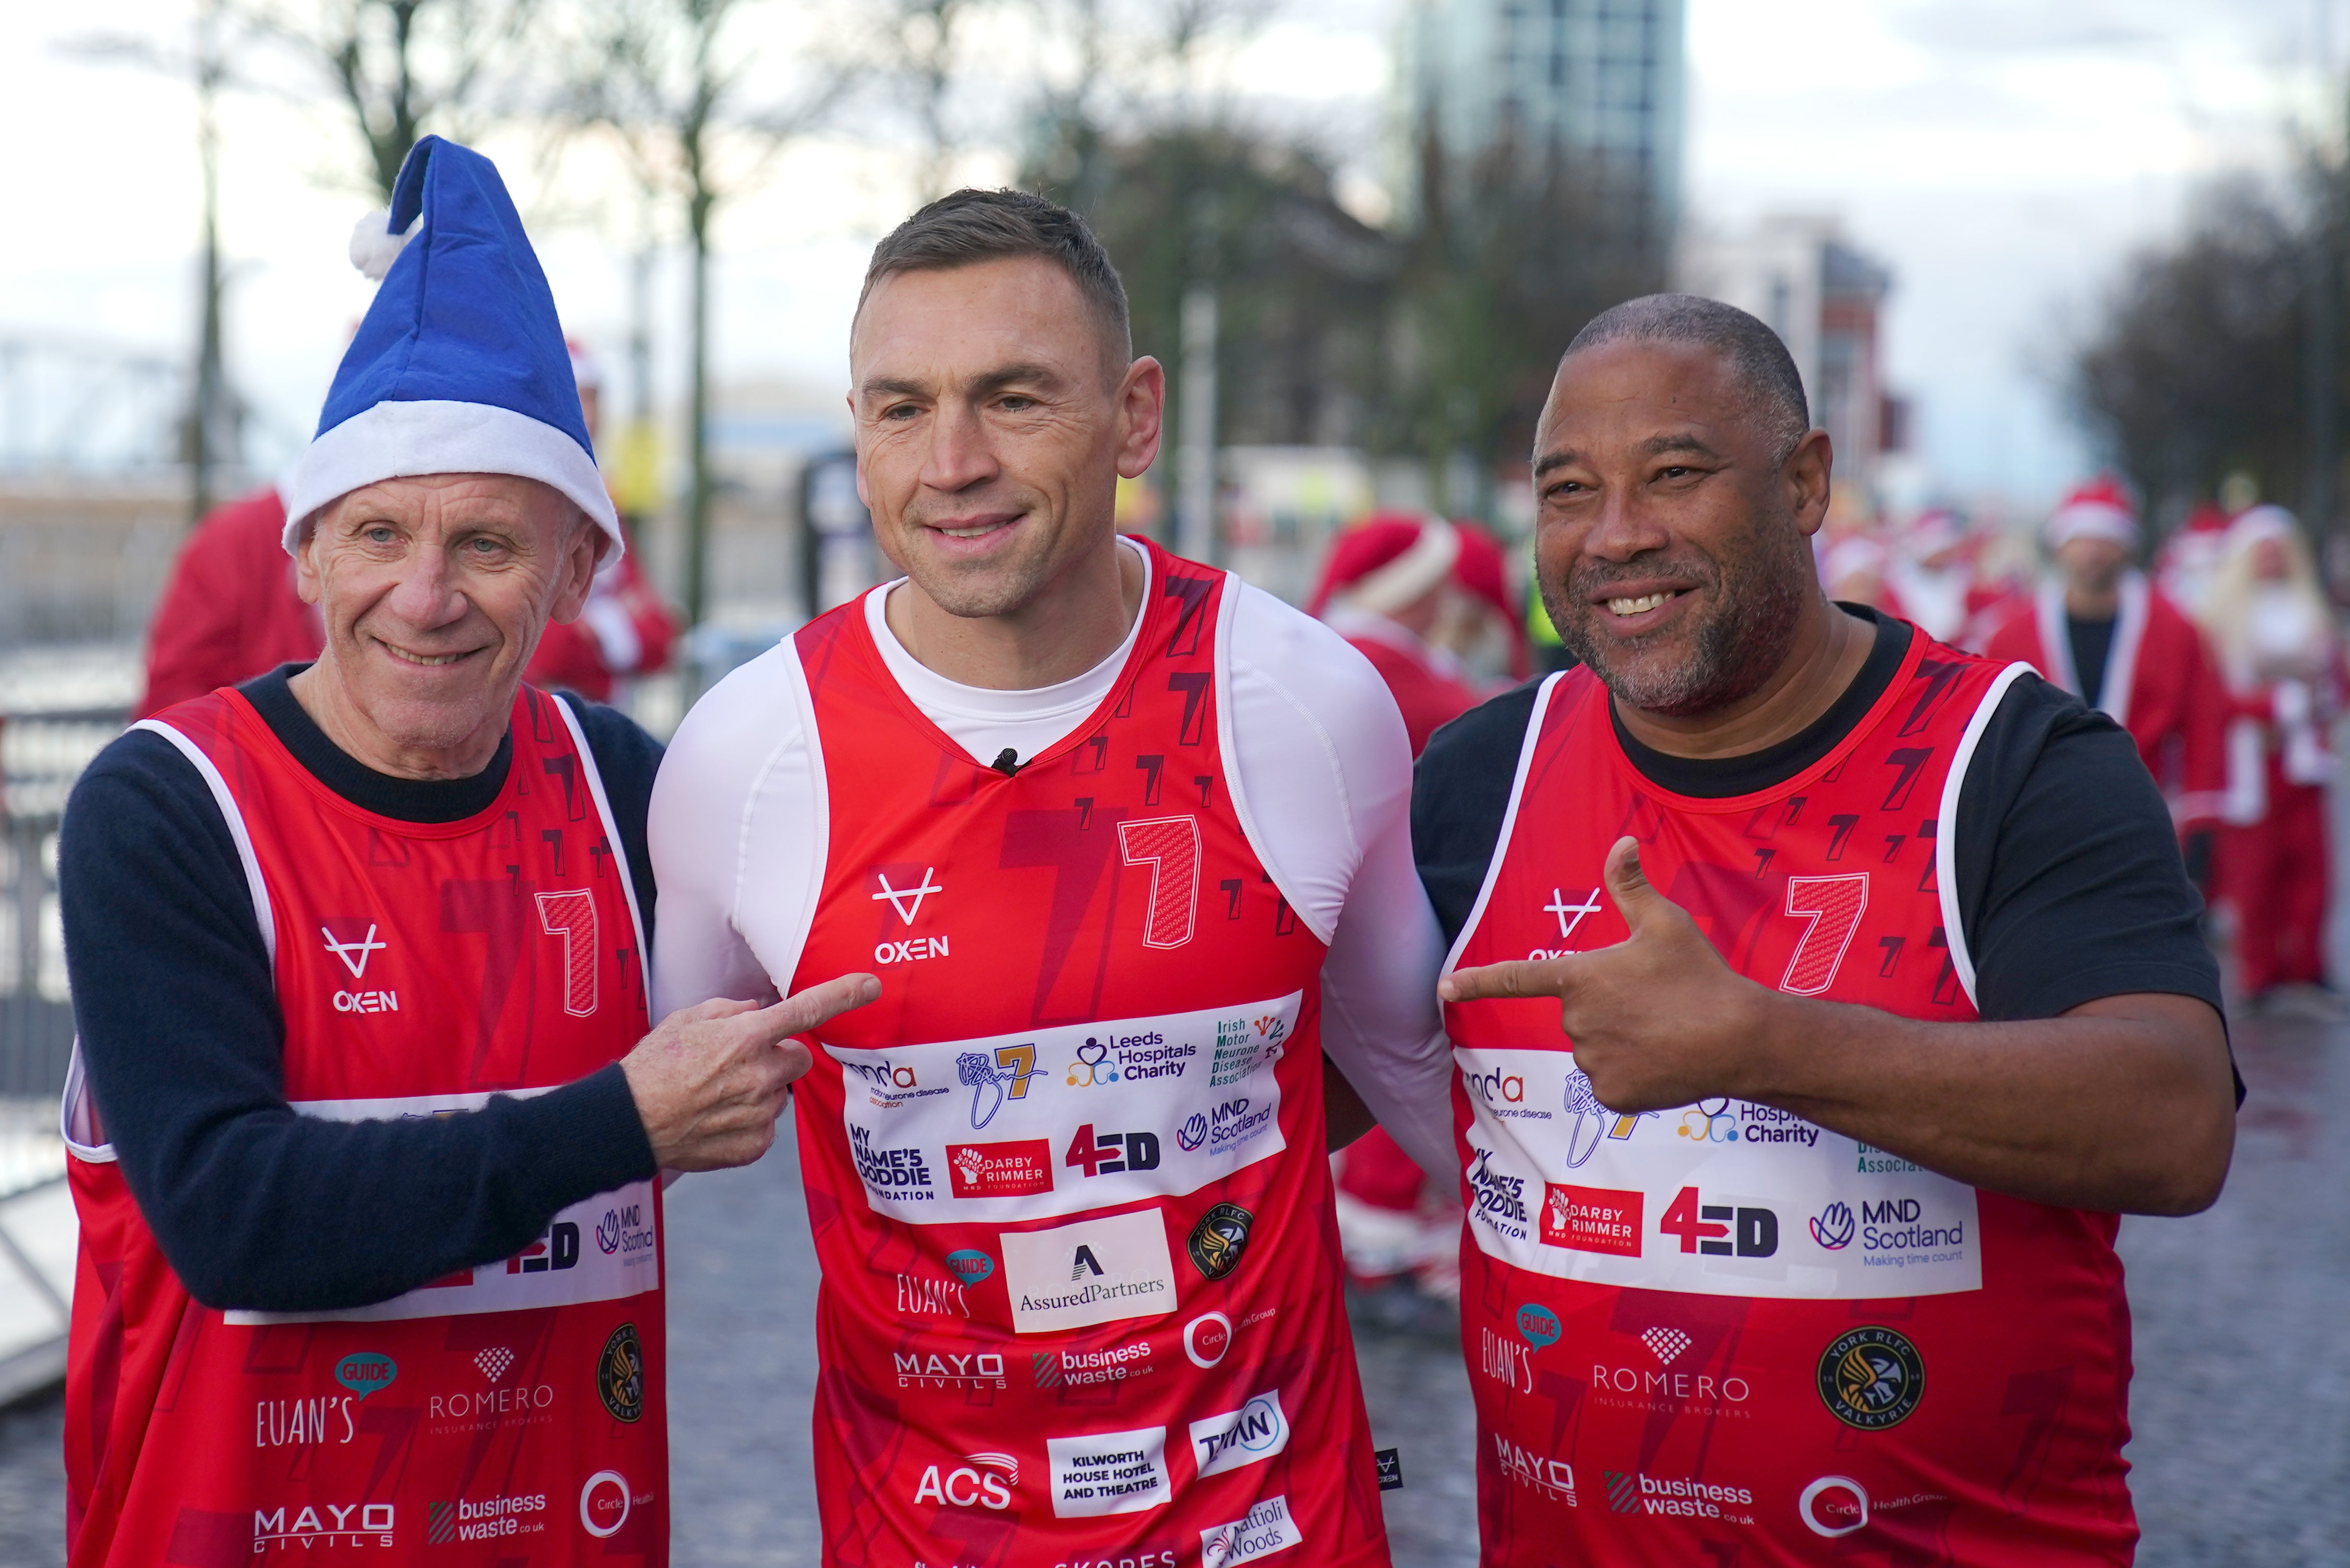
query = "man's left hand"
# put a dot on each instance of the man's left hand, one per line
(1658, 1020)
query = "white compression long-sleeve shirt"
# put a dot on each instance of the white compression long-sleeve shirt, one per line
(738, 845)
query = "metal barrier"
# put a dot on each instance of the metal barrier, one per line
(41, 754)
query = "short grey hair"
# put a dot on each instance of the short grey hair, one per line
(1760, 362)
(970, 226)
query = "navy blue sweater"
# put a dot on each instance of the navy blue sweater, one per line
(182, 1037)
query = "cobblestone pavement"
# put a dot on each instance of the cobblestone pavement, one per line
(2241, 1402)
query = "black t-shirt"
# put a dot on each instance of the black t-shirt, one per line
(176, 1000)
(2069, 881)
(2092, 644)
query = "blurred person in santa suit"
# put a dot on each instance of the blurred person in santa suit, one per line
(2101, 631)
(1391, 588)
(2274, 640)
(1934, 570)
(229, 611)
(1853, 570)
(2184, 566)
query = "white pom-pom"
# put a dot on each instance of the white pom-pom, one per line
(373, 250)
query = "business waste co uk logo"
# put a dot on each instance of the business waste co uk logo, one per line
(1871, 1378)
(1832, 1227)
(1623, 1491)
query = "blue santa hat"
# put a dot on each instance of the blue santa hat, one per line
(460, 366)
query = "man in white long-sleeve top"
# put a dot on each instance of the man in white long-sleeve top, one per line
(1128, 843)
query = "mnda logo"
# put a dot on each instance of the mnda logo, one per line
(1218, 1239)
(620, 1375)
(1871, 1378)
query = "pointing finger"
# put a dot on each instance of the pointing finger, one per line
(1513, 978)
(804, 1010)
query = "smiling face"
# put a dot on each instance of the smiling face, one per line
(992, 428)
(1671, 541)
(435, 592)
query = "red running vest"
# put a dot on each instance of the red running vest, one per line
(1722, 1335)
(1082, 1296)
(510, 1414)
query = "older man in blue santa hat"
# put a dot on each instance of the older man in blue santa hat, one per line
(366, 1114)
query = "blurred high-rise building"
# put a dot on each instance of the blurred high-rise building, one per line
(1590, 89)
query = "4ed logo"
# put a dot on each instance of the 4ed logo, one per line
(1013, 1066)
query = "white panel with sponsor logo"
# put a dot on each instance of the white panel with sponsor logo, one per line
(1722, 1198)
(1093, 1270)
(1059, 1121)
(598, 1251)
(1108, 1473)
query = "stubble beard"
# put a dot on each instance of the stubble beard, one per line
(1757, 599)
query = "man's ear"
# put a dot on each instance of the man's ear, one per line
(585, 552)
(1806, 474)
(1141, 411)
(308, 582)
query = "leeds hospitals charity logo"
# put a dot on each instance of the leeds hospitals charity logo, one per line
(343, 939)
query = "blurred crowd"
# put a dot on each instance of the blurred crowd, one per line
(2223, 661)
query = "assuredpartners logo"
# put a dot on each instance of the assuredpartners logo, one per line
(1092, 1271)
(1677, 1497)
(324, 1524)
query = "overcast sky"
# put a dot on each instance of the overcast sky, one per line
(2003, 157)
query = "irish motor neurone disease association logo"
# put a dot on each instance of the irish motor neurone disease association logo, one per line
(620, 1375)
(1871, 1378)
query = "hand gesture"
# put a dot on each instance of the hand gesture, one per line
(711, 1081)
(1658, 1020)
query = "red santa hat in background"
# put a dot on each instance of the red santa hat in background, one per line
(1932, 531)
(2100, 509)
(1483, 571)
(1385, 562)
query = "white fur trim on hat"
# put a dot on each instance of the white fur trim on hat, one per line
(374, 247)
(2091, 520)
(1427, 563)
(405, 439)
